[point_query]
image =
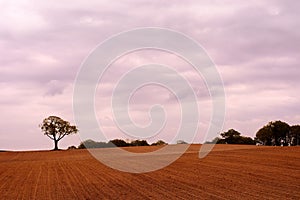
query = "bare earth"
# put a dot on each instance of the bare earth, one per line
(228, 172)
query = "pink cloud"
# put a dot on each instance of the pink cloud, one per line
(255, 46)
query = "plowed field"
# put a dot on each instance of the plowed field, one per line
(228, 172)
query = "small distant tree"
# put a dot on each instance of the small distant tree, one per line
(81, 146)
(89, 144)
(181, 142)
(119, 143)
(216, 140)
(139, 143)
(158, 143)
(71, 147)
(56, 129)
(231, 136)
(234, 137)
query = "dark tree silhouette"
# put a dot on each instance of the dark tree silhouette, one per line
(89, 144)
(234, 137)
(56, 128)
(295, 134)
(265, 135)
(273, 133)
(139, 143)
(231, 136)
(119, 143)
(158, 143)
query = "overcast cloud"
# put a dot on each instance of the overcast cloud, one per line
(254, 44)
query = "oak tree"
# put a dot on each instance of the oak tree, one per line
(56, 129)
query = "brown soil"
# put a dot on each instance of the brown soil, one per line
(228, 172)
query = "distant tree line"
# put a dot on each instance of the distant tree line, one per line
(117, 143)
(275, 133)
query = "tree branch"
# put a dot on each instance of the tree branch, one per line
(49, 137)
(60, 137)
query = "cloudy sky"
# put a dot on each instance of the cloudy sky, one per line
(255, 46)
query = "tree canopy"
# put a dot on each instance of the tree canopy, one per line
(231, 136)
(88, 144)
(295, 134)
(56, 128)
(274, 133)
(234, 137)
(158, 143)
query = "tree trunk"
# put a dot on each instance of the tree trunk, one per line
(55, 144)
